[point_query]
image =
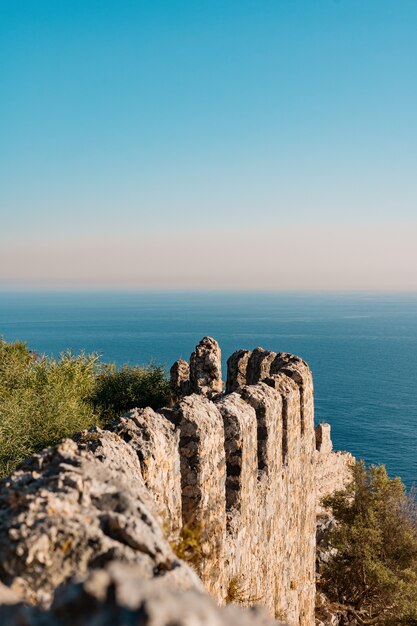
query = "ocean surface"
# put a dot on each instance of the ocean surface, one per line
(362, 348)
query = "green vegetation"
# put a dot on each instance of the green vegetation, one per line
(235, 593)
(118, 390)
(374, 568)
(43, 400)
(188, 548)
(240, 593)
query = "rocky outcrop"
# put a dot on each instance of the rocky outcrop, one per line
(119, 596)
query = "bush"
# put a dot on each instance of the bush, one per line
(374, 567)
(118, 390)
(43, 400)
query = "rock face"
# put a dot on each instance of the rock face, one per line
(118, 596)
(79, 506)
(233, 481)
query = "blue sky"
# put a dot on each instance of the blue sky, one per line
(136, 118)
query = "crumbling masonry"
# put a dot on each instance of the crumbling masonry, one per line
(237, 472)
(228, 479)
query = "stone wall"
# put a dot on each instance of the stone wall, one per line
(77, 507)
(332, 468)
(245, 467)
(253, 473)
(231, 481)
(118, 595)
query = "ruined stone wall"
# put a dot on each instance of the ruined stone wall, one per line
(231, 481)
(81, 545)
(332, 468)
(236, 471)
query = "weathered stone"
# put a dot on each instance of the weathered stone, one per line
(298, 462)
(259, 365)
(324, 552)
(237, 365)
(240, 426)
(298, 370)
(7, 596)
(203, 477)
(180, 379)
(118, 596)
(333, 469)
(77, 506)
(205, 368)
(156, 443)
(234, 480)
(291, 414)
(122, 591)
(268, 407)
(254, 532)
(323, 440)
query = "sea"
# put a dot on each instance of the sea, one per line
(361, 347)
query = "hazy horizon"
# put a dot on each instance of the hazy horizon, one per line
(297, 258)
(241, 145)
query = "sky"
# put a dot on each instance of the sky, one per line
(248, 144)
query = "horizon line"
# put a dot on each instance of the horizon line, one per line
(222, 290)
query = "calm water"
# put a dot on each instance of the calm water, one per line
(362, 348)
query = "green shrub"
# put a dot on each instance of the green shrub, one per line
(374, 567)
(118, 390)
(43, 400)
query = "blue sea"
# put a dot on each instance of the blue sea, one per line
(362, 348)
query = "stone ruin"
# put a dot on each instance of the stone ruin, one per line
(230, 480)
(244, 473)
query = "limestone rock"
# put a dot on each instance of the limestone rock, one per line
(233, 480)
(203, 478)
(323, 440)
(78, 506)
(239, 420)
(324, 552)
(259, 365)
(118, 596)
(237, 365)
(180, 379)
(206, 369)
(295, 368)
(155, 440)
(333, 469)
(7, 596)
